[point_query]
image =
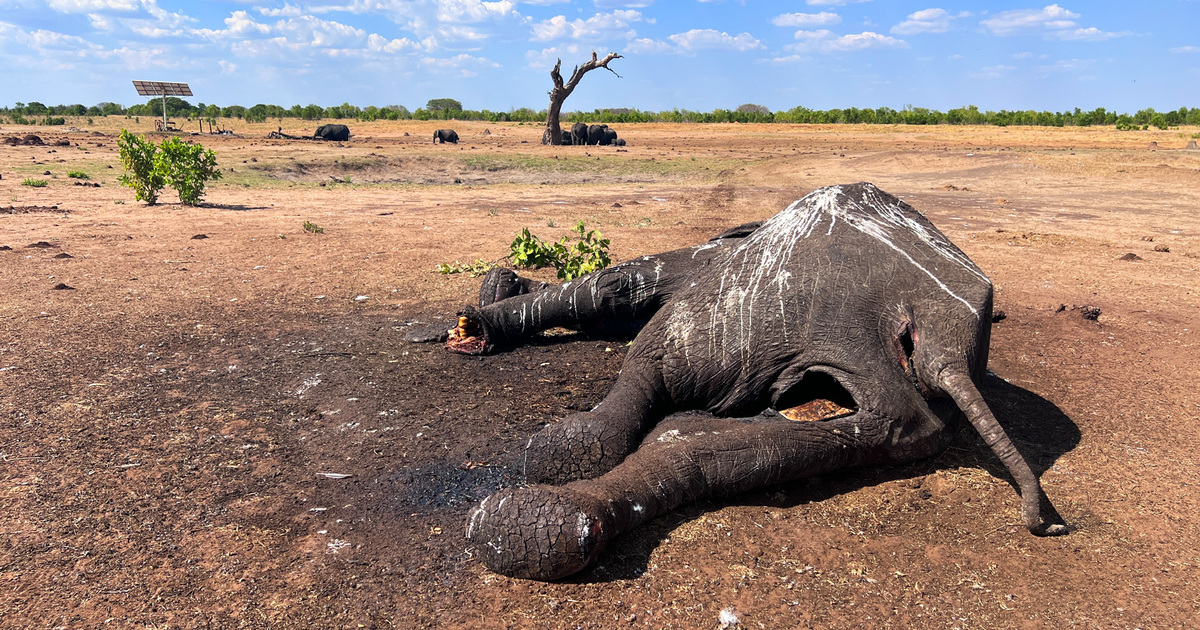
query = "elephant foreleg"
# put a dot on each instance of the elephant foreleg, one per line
(621, 295)
(589, 444)
(547, 532)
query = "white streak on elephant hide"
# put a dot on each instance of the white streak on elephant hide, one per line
(766, 256)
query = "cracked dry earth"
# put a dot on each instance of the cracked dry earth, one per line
(229, 431)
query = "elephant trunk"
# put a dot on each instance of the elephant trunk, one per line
(1036, 510)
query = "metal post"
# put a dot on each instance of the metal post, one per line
(164, 110)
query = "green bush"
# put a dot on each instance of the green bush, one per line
(143, 172)
(188, 167)
(586, 255)
(78, 175)
(184, 167)
(53, 120)
(309, 226)
(35, 183)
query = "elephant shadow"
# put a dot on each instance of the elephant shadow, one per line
(1038, 428)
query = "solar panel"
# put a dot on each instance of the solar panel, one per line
(162, 88)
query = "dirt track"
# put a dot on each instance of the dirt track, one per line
(164, 422)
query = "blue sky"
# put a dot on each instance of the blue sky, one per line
(683, 54)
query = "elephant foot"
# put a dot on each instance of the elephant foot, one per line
(540, 532)
(572, 450)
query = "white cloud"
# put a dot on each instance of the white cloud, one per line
(833, 3)
(823, 41)
(1185, 49)
(1017, 21)
(89, 6)
(926, 21)
(318, 33)
(1067, 65)
(1090, 34)
(434, 21)
(473, 10)
(823, 18)
(599, 26)
(991, 72)
(622, 4)
(644, 46)
(707, 39)
(463, 65)
(694, 40)
(378, 43)
(100, 22)
(288, 10)
(546, 57)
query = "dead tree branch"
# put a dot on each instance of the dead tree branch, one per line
(561, 90)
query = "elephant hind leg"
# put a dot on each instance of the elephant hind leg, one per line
(546, 532)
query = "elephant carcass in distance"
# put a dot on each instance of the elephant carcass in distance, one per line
(332, 133)
(849, 309)
(445, 135)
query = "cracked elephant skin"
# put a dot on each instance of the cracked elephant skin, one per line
(848, 294)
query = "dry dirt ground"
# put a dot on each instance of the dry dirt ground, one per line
(168, 423)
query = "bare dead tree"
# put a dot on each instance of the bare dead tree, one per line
(553, 133)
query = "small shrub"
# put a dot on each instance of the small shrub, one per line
(35, 183)
(309, 226)
(78, 175)
(53, 120)
(185, 167)
(477, 268)
(527, 250)
(143, 172)
(588, 254)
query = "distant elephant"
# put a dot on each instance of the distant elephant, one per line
(607, 137)
(566, 137)
(332, 133)
(619, 142)
(595, 132)
(579, 133)
(445, 135)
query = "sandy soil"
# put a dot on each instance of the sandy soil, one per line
(167, 421)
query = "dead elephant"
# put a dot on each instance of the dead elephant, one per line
(849, 309)
(332, 133)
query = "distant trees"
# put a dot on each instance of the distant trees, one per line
(443, 104)
(751, 108)
(444, 109)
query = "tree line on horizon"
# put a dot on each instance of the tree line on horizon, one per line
(451, 109)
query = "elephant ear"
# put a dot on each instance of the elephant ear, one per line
(741, 231)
